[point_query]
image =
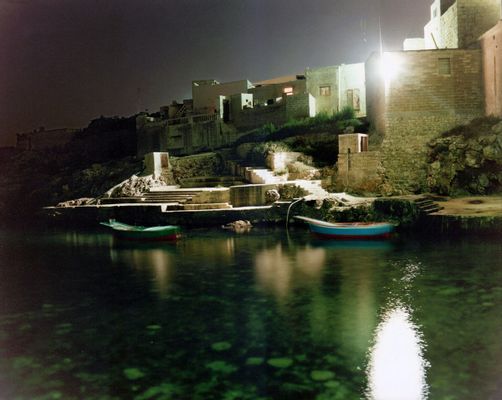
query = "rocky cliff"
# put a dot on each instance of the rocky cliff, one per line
(467, 159)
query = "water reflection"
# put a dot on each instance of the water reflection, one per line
(156, 261)
(397, 367)
(278, 272)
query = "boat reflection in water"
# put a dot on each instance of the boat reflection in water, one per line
(397, 367)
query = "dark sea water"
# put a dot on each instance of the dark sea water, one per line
(263, 315)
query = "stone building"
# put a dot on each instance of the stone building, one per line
(270, 91)
(205, 93)
(491, 43)
(338, 86)
(219, 113)
(459, 23)
(414, 95)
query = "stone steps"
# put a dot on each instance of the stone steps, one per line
(427, 206)
(312, 187)
(158, 196)
(206, 206)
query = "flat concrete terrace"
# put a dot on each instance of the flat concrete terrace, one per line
(479, 215)
(158, 214)
(475, 206)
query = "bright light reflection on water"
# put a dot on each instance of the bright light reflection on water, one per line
(397, 368)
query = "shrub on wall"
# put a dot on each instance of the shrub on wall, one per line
(467, 159)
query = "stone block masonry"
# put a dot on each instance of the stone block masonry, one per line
(429, 93)
(359, 172)
(475, 17)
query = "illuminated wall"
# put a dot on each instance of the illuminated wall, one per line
(353, 88)
(459, 24)
(413, 96)
(323, 84)
(491, 43)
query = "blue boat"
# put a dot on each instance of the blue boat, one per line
(348, 230)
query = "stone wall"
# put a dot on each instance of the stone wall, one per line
(290, 107)
(432, 30)
(150, 134)
(326, 77)
(299, 106)
(461, 23)
(420, 101)
(491, 44)
(359, 172)
(156, 163)
(251, 118)
(264, 93)
(475, 17)
(449, 29)
(183, 136)
(205, 93)
(250, 195)
(205, 164)
(352, 88)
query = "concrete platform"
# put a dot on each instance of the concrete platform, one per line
(475, 206)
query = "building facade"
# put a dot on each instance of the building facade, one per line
(491, 44)
(415, 95)
(459, 23)
(219, 113)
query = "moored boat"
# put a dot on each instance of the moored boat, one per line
(348, 230)
(141, 233)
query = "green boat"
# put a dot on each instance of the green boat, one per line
(141, 233)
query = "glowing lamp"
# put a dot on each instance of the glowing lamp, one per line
(390, 66)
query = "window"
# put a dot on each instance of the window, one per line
(325, 90)
(444, 66)
(288, 91)
(353, 99)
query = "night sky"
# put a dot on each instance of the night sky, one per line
(65, 62)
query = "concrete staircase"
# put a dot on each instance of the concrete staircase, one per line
(427, 206)
(171, 199)
(313, 187)
(261, 175)
(264, 175)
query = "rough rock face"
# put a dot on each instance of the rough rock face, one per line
(300, 170)
(136, 186)
(467, 161)
(77, 202)
(272, 195)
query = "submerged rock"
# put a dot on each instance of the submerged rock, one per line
(238, 226)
